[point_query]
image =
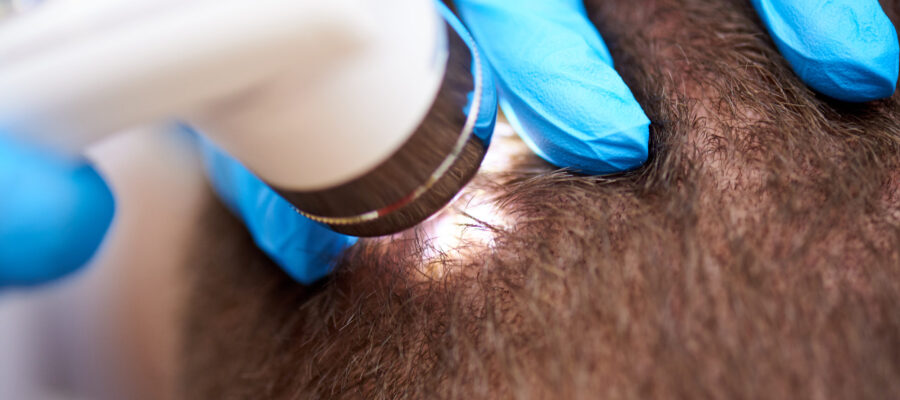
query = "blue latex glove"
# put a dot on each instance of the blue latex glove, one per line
(845, 49)
(557, 84)
(559, 89)
(53, 215)
(303, 248)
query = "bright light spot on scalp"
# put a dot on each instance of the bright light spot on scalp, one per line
(468, 226)
(465, 229)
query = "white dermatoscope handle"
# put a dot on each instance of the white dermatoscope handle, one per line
(307, 93)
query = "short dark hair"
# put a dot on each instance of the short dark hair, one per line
(756, 255)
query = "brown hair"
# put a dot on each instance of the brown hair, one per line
(757, 254)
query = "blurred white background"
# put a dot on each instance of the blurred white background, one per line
(110, 331)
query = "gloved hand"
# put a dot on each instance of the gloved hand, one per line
(845, 49)
(53, 214)
(559, 90)
(557, 86)
(303, 248)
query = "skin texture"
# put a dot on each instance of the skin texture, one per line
(755, 255)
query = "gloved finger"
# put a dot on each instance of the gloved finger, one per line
(845, 49)
(557, 84)
(303, 248)
(53, 215)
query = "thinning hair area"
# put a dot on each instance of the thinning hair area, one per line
(755, 255)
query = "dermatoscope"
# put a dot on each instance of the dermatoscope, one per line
(368, 116)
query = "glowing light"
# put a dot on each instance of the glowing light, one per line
(462, 231)
(468, 227)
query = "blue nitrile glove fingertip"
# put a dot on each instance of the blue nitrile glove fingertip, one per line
(53, 217)
(305, 249)
(588, 122)
(557, 85)
(844, 49)
(623, 149)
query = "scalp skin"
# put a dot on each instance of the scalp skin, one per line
(756, 255)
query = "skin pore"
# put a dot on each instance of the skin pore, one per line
(756, 254)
